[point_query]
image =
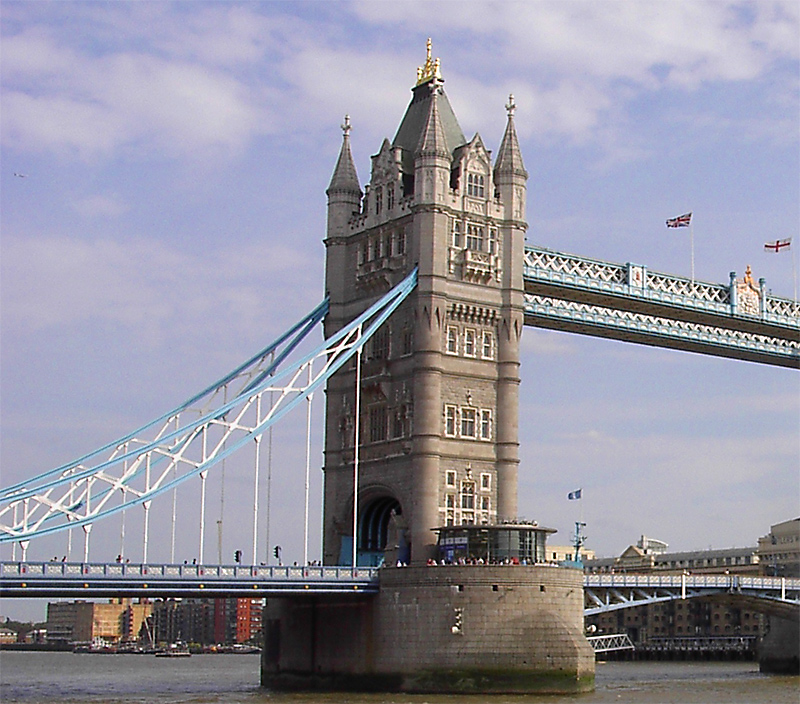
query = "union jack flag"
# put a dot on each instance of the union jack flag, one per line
(778, 245)
(680, 221)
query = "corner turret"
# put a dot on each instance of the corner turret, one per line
(510, 176)
(344, 191)
(432, 158)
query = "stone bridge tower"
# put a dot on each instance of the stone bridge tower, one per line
(440, 381)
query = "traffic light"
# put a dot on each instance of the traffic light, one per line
(277, 551)
(237, 556)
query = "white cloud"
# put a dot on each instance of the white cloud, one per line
(188, 77)
(536, 341)
(61, 98)
(151, 291)
(101, 206)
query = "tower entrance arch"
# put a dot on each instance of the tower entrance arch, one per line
(381, 531)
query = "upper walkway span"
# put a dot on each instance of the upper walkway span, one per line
(741, 320)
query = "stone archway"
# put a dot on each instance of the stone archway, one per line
(377, 527)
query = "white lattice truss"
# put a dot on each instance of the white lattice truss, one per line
(659, 327)
(568, 269)
(614, 641)
(191, 439)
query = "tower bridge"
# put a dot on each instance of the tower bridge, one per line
(779, 596)
(428, 288)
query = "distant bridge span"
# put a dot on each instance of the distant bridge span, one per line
(779, 596)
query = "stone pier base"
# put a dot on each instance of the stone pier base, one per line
(453, 629)
(779, 652)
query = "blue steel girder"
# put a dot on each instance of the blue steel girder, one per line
(628, 302)
(93, 580)
(193, 438)
(604, 593)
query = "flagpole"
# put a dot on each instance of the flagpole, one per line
(691, 240)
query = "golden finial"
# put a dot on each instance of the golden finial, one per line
(430, 69)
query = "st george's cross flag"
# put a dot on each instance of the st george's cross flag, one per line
(680, 221)
(778, 245)
(574, 494)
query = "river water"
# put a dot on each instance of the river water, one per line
(43, 678)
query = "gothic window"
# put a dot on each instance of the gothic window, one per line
(469, 342)
(398, 423)
(484, 503)
(492, 240)
(401, 242)
(364, 253)
(380, 343)
(377, 423)
(456, 233)
(378, 200)
(452, 340)
(387, 246)
(408, 340)
(487, 349)
(486, 482)
(468, 495)
(468, 422)
(450, 477)
(486, 424)
(450, 501)
(374, 247)
(474, 237)
(390, 196)
(450, 422)
(408, 185)
(475, 185)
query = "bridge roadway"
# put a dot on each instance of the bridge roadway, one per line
(88, 580)
(778, 595)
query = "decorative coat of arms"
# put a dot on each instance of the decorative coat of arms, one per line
(748, 294)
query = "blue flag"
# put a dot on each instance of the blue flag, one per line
(574, 494)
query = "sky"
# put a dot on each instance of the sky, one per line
(162, 207)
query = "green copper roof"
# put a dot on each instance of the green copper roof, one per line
(414, 121)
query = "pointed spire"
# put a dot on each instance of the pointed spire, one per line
(345, 178)
(509, 158)
(432, 141)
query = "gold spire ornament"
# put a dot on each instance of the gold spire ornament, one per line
(430, 70)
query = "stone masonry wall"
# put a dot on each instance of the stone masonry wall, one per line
(511, 616)
(511, 628)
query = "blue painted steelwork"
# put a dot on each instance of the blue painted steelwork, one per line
(262, 363)
(224, 415)
(629, 302)
(92, 580)
(603, 593)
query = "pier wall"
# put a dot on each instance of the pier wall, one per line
(475, 629)
(779, 651)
